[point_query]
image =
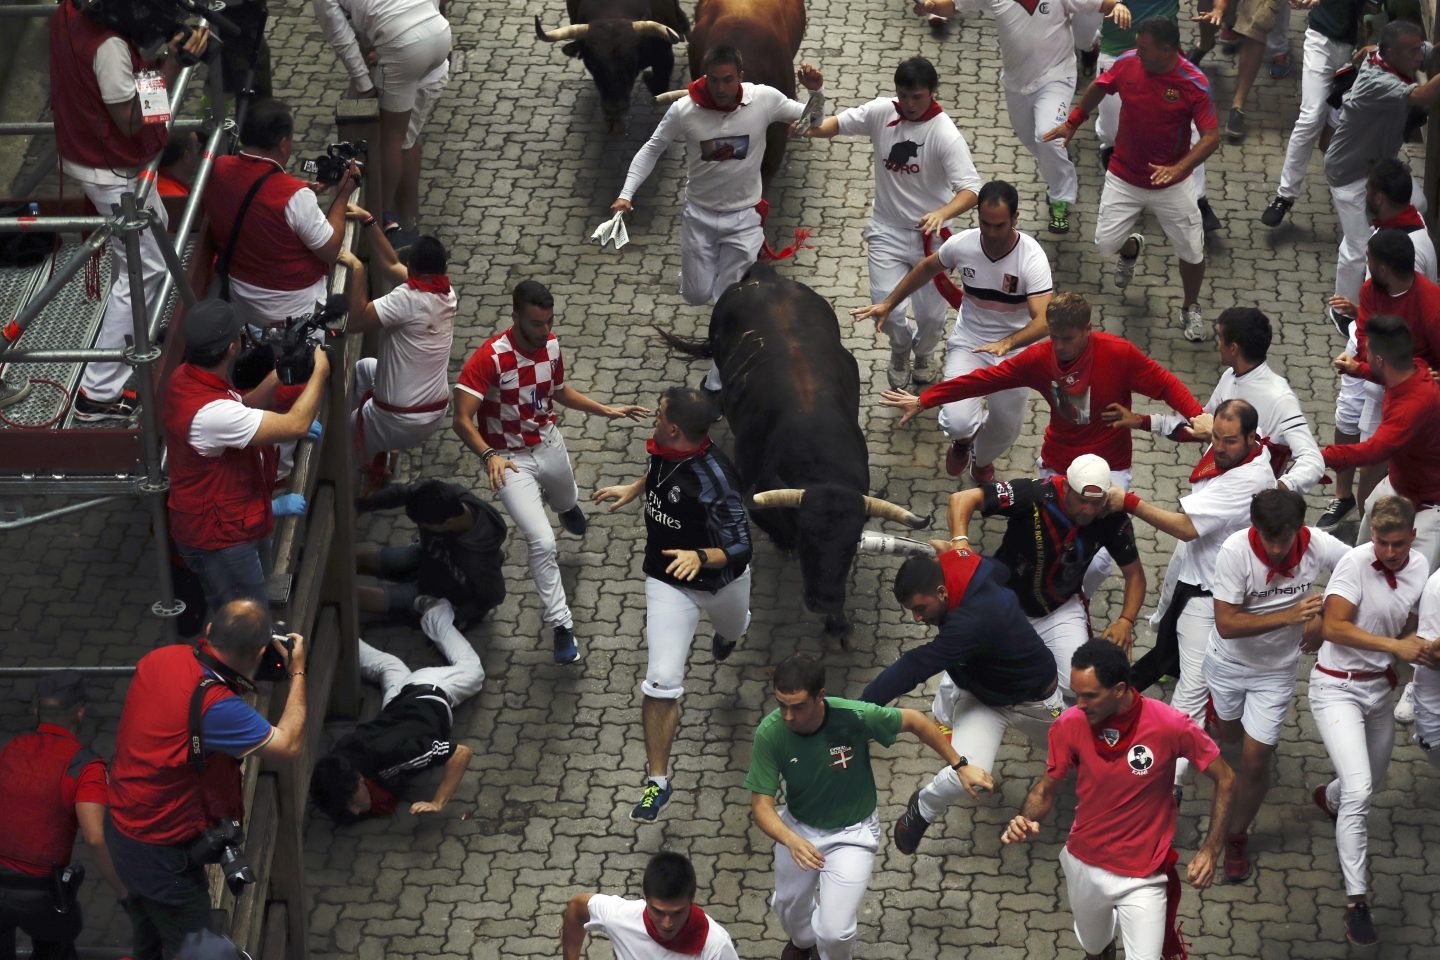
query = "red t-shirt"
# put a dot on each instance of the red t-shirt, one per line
(1418, 306)
(42, 776)
(1109, 370)
(1156, 111)
(1125, 810)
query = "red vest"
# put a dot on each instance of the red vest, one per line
(85, 133)
(156, 796)
(37, 791)
(219, 501)
(267, 254)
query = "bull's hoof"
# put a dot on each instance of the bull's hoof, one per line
(841, 629)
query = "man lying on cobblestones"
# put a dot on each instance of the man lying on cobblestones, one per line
(666, 924)
(826, 835)
(997, 671)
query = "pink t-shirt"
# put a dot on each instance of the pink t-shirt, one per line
(1125, 814)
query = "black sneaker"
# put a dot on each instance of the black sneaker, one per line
(573, 520)
(1209, 222)
(1338, 510)
(567, 650)
(122, 407)
(721, 648)
(1196, 54)
(1235, 127)
(1359, 928)
(654, 797)
(1341, 321)
(1275, 212)
(911, 826)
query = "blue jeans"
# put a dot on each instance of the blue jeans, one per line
(230, 573)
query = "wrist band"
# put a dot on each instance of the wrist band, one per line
(367, 222)
(489, 452)
(1077, 118)
(1123, 617)
(1132, 501)
(961, 537)
(297, 673)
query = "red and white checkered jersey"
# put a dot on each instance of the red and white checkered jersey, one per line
(515, 389)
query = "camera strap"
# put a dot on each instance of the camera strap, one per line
(235, 682)
(222, 264)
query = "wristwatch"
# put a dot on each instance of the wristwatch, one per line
(962, 762)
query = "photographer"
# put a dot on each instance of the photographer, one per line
(167, 796)
(222, 454)
(50, 787)
(402, 392)
(278, 248)
(105, 138)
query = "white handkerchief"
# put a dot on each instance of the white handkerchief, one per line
(612, 231)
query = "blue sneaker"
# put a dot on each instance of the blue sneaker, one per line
(566, 649)
(651, 801)
(573, 520)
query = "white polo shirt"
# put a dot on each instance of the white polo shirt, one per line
(1217, 507)
(997, 292)
(1240, 579)
(1380, 609)
(623, 921)
(1035, 39)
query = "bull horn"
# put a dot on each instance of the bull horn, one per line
(670, 96)
(778, 498)
(575, 31)
(885, 510)
(651, 28)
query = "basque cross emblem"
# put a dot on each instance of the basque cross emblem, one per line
(841, 757)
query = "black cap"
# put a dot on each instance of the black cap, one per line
(211, 323)
(63, 688)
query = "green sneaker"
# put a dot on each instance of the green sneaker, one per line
(1059, 216)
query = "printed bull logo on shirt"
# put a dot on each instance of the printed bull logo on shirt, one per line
(841, 757)
(901, 155)
(725, 148)
(1141, 759)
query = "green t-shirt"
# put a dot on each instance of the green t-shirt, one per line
(1115, 41)
(828, 781)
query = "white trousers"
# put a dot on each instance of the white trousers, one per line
(461, 680)
(1064, 630)
(1427, 714)
(671, 616)
(1190, 694)
(1358, 402)
(1354, 718)
(891, 252)
(716, 248)
(1034, 114)
(975, 732)
(1427, 525)
(1355, 229)
(1323, 57)
(821, 908)
(102, 382)
(544, 475)
(991, 423)
(405, 61)
(1107, 122)
(385, 430)
(1176, 207)
(1099, 900)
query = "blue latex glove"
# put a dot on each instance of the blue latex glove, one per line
(316, 431)
(289, 505)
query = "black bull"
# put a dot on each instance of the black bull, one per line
(792, 398)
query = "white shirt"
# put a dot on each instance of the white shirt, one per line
(1035, 39)
(1281, 421)
(1217, 507)
(221, 425)
(1378, 609)
(623, 921)
(378, 21)
(261, 306)
(116, 77)
(997, 292)
(1240, 580)
(414, 357)
(722, 150)
(919, 167)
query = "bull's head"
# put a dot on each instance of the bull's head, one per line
(829, 521)
(610, 50)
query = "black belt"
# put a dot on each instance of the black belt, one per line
(13, 880)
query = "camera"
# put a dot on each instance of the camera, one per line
(221, 844)
(290, 344)
(330, 166)
(272, 665)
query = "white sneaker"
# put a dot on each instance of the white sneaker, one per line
(1125, 266)
(899, 372)
(1405, 706)
(1195, 326)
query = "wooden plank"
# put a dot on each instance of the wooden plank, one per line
(247, 915)
(275, 945)
(305, 597)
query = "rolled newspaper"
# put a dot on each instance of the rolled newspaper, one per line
(612, 231)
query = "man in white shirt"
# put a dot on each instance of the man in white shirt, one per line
(1006, 279)
(665, 925)
(1370, 605)
(924, 179)
(1038, 49)
(1426, 687)
(1265, 616)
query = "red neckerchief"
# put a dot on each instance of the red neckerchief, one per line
(429, 283)
(691, 938)
(1388, 574)
(656, 449)
(382, 801)
(1375, 60)
(700, 93)
(1408, 219)
(1123, 725)
(1058, 482)
(959, 567)
(931, 112)
(1174, 947)
(1207, 467)
(1286, 567)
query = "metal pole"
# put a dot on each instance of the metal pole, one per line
(47, 293)
(51, 514)
(78, 355)
(28, 10)
(83, 671)
(51, 224)
(26, 128)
